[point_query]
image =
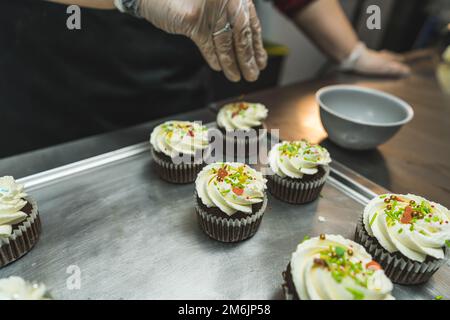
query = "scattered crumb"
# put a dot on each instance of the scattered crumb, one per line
(33, 264)
(320, 195)
(322, 219)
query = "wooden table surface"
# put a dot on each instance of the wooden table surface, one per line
(416, 160)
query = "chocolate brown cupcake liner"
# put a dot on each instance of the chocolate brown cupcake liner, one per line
(176, 173)
(287, 292)
(296, 192)
(400, 270)
(229, 230)
(23, 237)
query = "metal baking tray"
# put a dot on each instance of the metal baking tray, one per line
(111, 229)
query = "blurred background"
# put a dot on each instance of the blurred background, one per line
(406, 25)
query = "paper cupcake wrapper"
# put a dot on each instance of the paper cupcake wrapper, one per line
(229, 230)
(288, 294)
(296, 192)
(239, 143)
(22, 238)
(176, 173)
(399, 270)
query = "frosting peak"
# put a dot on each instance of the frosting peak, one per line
(231, 187)
(410, 224)
(330, 267)
(179, 137)
(296, 158)
(11, 203)
(241, 116)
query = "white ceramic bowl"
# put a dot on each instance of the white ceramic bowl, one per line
(361, 118)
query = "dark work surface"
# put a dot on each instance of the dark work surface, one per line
(416, 160)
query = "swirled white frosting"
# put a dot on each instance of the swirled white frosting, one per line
(241, 116)
(179, 137)
(231, 187)
(297, 158)
(11, 203)
(15, 288)
(337, 269)
(410, 224)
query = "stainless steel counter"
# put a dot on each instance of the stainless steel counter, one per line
(133, 236)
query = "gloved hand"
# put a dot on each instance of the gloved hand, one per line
(379, 63)
(235, 52)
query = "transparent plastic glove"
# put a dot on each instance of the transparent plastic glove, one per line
(378, 63)
(236, 52)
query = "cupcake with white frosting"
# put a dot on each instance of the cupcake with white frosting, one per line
(20, 225)
(242, 125)
(230, 201)
(407, 234)
(299, 171)
(331, 267)
(178, 149)
(16, 288)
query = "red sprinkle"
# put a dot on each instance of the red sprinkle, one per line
(243, 106)
(222, 173)
(319, 262)
(407, 215)
(191, 133)
(373, 265)
(240, 106)
(238, 191)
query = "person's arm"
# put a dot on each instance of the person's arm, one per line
(94, 4)
(325, 23)
(227, 32)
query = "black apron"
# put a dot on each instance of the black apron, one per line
(58, 84)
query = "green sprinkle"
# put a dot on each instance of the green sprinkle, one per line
(305, 238)
(400, 230)
(447, 243)
(438, 298)
(373, 219)
(338, 262)
(357, 295)
(340, 251)
(411, 228)
(383, 196)
(337, 276)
